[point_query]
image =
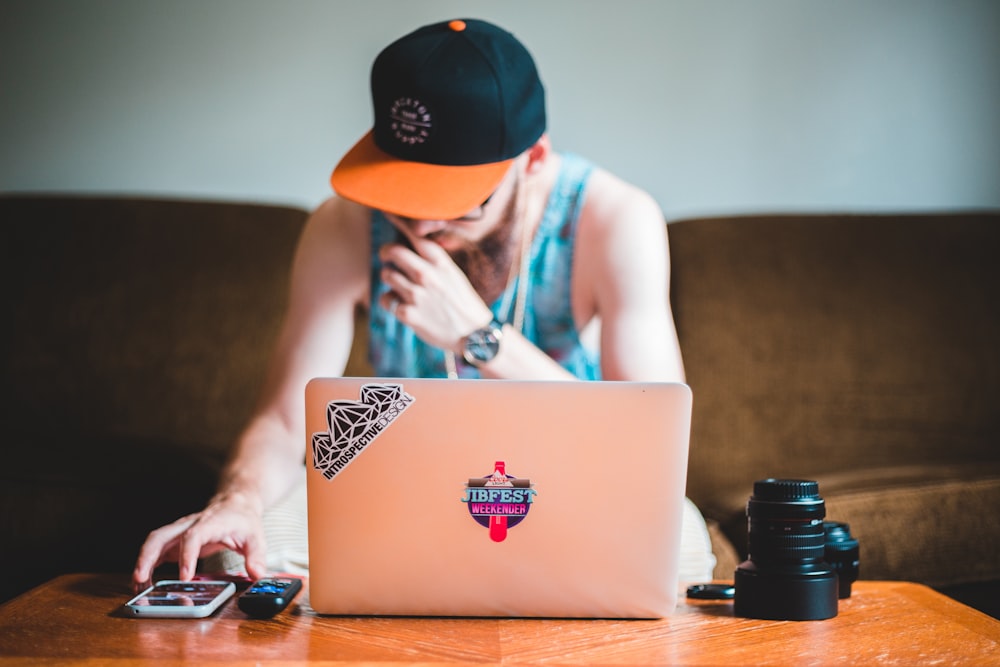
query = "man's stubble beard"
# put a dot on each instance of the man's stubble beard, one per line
(487, 263)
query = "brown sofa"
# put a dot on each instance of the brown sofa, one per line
(859, 351)
(855, 350)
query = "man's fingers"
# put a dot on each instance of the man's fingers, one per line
(156, 549)
(428, 249)
(192, 541)
(256, 561)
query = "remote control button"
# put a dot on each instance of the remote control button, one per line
(267, 597)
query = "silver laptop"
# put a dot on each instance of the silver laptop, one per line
(495, 497)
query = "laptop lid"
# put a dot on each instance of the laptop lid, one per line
(435, 497)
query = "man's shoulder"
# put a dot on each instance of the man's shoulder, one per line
(334, 208)
(334, 250)
(340, 218)
(610, 199)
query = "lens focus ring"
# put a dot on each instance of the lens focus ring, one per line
(778, 490)
(768, 546)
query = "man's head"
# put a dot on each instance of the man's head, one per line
(454, 104)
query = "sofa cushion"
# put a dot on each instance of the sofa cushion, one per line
(77, 502)
(931, 524)
(142, 317)
(820, 346)
(935, 533)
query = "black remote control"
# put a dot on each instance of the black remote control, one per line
(267, 597)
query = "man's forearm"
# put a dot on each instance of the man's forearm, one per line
(265, 463)
(519, 359)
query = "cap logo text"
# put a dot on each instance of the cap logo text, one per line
(410, 121)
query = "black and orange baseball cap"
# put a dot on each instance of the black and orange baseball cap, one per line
(454, 104)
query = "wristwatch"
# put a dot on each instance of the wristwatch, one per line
(480, 346)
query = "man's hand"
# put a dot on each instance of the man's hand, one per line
(231, 522)
(432, 295)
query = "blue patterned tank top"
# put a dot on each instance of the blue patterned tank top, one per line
(396, 351)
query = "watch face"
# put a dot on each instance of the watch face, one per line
(481, 346)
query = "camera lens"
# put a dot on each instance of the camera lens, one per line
(842, 554)
(785, 576)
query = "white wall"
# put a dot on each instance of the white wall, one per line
(712, 105)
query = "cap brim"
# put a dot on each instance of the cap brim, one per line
(373, 178)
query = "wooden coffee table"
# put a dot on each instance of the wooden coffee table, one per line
(77, 619)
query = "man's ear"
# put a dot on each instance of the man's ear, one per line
(538, 154)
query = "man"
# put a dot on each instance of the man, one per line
(477, 250)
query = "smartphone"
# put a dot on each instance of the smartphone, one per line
(181, 599)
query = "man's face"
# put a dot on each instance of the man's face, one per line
(470, 230)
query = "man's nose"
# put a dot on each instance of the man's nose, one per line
(424, 228)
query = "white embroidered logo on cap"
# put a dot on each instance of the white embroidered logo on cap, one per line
(411, 121)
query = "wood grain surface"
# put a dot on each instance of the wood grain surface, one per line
(78, 620)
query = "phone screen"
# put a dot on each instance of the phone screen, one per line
(181, 598)
(181, 594)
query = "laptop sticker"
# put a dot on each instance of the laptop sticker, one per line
(353, 425)
(499, 501)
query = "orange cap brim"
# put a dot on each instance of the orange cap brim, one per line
(373, 178)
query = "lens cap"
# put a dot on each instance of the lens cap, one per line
(711, 592)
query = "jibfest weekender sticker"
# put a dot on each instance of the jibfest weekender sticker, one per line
(353, 425)
(499, 501)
